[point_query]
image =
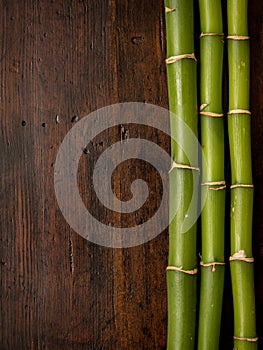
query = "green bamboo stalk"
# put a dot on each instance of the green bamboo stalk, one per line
(241, 173)
(213, 189)
(181, 75)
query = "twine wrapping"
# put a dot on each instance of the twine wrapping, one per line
(252, 340)
(211, 34)
(180, 269)
(238, 37)
(174, 59)
(241, 186)
(239, 111)
(241, 256)
(168, 10)
(183, 166)
(213, 264)
(209, 114)
(221, 184)
(212, 114)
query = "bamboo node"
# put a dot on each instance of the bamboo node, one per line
(252, 340)
(241, 256)
(180, 269)
(241, 186)
(182, 166)
(168, 10)
(174, 59)
(219, 185)
(213, 264)
(211, 34)
(238, 37)
(239, 111)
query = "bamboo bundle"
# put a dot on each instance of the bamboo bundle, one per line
(181, 272)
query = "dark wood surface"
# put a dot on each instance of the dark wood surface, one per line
(69, 58)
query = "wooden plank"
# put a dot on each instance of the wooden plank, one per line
(59, 291)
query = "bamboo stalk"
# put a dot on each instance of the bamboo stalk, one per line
(212, 138)
(241, 262)
(181, 273)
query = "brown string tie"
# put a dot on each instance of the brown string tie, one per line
(180, 269)
(241, 186)
(211, 34)
(239, 111)
(220, 185)
(174, 59)
(213, 264)
(252, 340)
(209, 114)
(238, 37)
(241, 256)
(212, 114)
(168, 10)
(183, 166)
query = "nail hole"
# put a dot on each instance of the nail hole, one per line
(137, 40)
(43, 125)
(74, 119)
(23, 123)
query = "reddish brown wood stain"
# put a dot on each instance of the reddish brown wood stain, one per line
(69, 58)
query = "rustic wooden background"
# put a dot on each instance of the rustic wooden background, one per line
(69, 58)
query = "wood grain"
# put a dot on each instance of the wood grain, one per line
(67, 59)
